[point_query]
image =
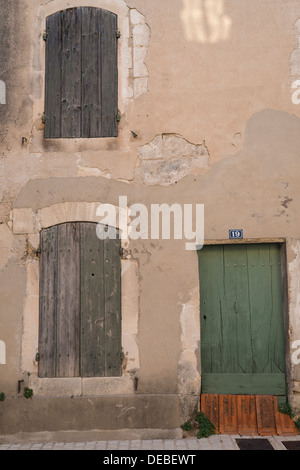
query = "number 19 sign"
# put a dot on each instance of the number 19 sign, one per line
(236, 234)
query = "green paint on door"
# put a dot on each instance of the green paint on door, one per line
(241, 317)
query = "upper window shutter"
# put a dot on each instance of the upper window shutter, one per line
(81, 94)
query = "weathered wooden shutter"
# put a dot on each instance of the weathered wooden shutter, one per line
(48, 303)
(80, 303)
(100, 304)
(81, 94)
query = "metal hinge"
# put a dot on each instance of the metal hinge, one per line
(37, 357)
(118, 117)
(45, 36)
(118, 34)
(124, 253)
(44, 118)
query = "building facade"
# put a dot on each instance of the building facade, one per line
(133, 108)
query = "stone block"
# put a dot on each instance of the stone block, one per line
(140, 86)
(24, 221)
(32, 286)
(141, 35)
(139, 68)
(136, 17)
(97, 386)
(130, 297)
(34, 240)
(131, 351)
(30, 334)
(53, 215)
(55, 387)
(4, 211)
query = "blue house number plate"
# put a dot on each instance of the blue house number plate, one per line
(236, 234)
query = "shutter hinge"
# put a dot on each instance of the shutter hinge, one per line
(118, 34)
(37, 357)
(118, 117)
(44, 118)
(124, 253)
(45, 36)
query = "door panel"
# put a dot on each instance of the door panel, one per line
(241, 311)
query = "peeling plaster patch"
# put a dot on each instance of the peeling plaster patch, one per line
(294, 308)
(130, 314)
(10, 245)
(2, 353)
(295, 56)
(5, 208)
(85, 171)
(24, 221)
(140, 43)
(189, 380)
(294, 290)
(168, 158)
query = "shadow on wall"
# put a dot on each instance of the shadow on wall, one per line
(205, 21)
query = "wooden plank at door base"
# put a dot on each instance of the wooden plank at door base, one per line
(228, 414)
(247, 423)
(247, 415)
(284, 424)
(210, 407)
(266, 424)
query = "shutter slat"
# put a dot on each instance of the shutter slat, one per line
(47, 303)
(91, 73)
(109, 74)
(71, 73)
(53, 77)
(92, 303)
(68, 301)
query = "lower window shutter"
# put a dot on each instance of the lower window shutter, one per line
(48, 303)
(80, 303)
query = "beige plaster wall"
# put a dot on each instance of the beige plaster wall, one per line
(205, 95)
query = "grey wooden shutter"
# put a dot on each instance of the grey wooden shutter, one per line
(48, 303)
(68, 301)
(100, 304)
(80, 303)
(81, 93)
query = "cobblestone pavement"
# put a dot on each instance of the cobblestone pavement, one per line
(220, 442)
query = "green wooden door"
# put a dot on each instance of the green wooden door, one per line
(241, 317)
